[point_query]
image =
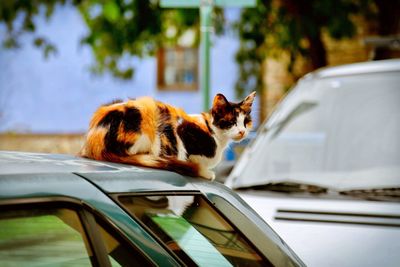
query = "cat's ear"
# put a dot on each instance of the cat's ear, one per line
(248, 101)
(219, 100)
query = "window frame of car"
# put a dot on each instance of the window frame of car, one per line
(247, 220)
(90, 219)
(238, 229)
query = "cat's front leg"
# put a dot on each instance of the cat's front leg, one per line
(206, 173)
(204, 165)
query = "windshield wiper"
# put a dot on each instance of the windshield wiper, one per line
(376, 194)
(287, 187)
(383, 194)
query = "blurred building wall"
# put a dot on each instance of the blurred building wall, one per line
(59, 95)
(46, 105)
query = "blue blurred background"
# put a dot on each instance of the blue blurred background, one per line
(60, 60)
(58, 95)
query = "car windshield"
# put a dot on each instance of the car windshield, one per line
(338, 132)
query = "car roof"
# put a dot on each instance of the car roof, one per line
(27, 177)
(111, 177)
(389, 65)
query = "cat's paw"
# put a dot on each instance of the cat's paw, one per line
(207, 174)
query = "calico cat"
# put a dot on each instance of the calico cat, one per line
(150, 133)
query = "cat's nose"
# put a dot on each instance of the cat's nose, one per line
(241, 133)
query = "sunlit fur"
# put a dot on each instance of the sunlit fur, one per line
(150, 133)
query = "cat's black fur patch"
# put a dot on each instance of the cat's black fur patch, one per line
(113, 119)
(165, 128)
(196, 141)
(132, 120)
(172, 147)
(225, 116)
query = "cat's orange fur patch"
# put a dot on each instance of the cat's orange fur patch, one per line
(95, 144)
(123, 135)
(148, 109)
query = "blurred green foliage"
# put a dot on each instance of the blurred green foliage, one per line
(295, 26)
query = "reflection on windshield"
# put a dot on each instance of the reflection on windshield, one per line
(299, 109)
(341, 133)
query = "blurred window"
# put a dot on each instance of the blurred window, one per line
(45, 236)
(177, 69)
(194, 230)
(52, 237)
(119, 252)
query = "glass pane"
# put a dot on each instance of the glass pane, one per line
(170, 75)
(190, 57)
(42, 238)
(192, 229)
(180, 68)
(188, 77)
(170, 56)
(119, 252)
(341, 131)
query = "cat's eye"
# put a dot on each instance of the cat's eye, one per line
(224, 124)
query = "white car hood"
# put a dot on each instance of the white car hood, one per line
(323, 232)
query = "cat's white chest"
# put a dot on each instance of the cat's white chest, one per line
(218, 154)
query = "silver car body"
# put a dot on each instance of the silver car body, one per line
(324, 170)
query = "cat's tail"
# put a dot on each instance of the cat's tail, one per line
(146, 160)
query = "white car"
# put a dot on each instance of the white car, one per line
(324, 170)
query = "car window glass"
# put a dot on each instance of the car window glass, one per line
(51, 237)
(119, 252)
(342, 131)
(193, 230)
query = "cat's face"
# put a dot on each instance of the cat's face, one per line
(232, 119)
